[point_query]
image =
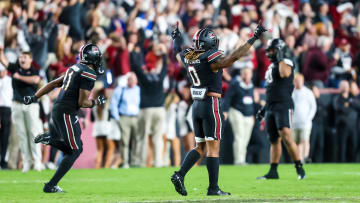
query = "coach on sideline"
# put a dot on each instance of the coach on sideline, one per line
(25, 80)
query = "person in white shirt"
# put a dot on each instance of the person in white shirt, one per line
(6, 95)
(305, 109)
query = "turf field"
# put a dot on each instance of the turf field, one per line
(324, 183)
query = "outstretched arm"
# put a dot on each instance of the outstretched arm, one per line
(49, 87)
(177, 41)
(44, 90)
(226, 61)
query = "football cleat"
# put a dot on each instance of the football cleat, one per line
(270, 175)
(301, 173)
(178, 182)
(52, 189)
(42, 138)
(217, 192)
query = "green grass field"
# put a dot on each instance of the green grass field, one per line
(324, 183)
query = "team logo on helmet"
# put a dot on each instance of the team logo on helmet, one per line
(94, 49)
(212, 35)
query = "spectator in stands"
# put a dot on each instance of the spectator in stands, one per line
(152, 115)
(36, 36)
(239, 107)
(317, 131)
(6, 95)
(117, 56)
(305, 109)
(345, 120)
(72, 15)
(25, 80)
(125, 108)
(317, 62)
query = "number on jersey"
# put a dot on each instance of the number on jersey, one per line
(67, 78)
(194, 76)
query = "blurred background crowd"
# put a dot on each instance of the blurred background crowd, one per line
(147, 119)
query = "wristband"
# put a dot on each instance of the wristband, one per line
(252, 40)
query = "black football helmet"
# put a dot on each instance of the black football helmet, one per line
(91, 54)
(275, 45)
(205, 39)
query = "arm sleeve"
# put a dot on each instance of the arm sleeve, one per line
(136, 62)
(114, 110)
(164, 67)
(87, 81)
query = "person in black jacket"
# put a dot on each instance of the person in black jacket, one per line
(346, 116)
(239, 102)
(152, 112)
(317, 130)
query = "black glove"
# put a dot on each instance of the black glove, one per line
(101, 100)
(260, 114)
(176, 33)
(30, 99)
(259, 30)
(176, 36)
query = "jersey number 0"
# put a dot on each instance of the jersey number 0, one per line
(194, 76)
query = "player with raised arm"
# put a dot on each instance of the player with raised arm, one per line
(204, 63)
(76, 86)
(279, 108)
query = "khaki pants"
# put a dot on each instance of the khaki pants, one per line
(151, 122)
(27, 126)
(302, 135)
(242, 127)
(128, 127)
(13, 149)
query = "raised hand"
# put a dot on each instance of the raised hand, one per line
(176, 33)
(259, 30)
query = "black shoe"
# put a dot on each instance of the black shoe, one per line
(217, 192)
(42, 138)
(301, 172)
(52, 188)
(178, 182)
(270, 175)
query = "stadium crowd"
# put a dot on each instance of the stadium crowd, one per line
(147, 119)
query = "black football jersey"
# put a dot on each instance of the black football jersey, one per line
(78, 76)
(200, 72)
(279, 90)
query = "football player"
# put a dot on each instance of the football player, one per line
(279, 107)
(76, 86)
(204, 64)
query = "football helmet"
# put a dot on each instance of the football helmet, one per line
(205, 39)
(91, 54)
(277, 45)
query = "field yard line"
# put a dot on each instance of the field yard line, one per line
(64, 180)
(261, 200)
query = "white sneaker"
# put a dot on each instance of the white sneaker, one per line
(126, 166)
(39, 167)
(26, 168)
(50, 165)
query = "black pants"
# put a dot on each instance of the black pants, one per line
(317, 143)
(5, 126)
(347, 140)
